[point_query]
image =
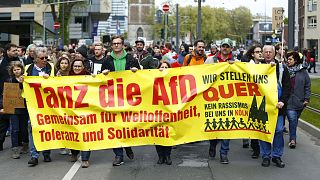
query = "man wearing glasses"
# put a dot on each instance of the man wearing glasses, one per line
(40, 67)
(119, 60)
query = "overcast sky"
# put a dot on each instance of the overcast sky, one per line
(256, 6)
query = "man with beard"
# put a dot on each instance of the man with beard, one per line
(196, 57)
(224, 55)
(144, 57)
(98, 58)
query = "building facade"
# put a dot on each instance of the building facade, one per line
(310, 31)
(83, 22)
(139, 27)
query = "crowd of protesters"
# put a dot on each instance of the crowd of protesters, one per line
(293, 86)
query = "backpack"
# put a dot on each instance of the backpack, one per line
(190, 57)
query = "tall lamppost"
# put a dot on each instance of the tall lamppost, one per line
(199, 36)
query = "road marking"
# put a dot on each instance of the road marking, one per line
(73, 170)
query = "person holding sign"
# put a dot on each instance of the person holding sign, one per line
(164, 152)
(119, 60)
(284, 87)
(19, 120)
(40, 67)
(224, 55)
(78, 68)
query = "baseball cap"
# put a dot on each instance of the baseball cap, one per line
(139, 40)
(226, 41)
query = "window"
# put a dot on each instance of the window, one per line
(139, 32)
(312, 21)
(82, 20)
(26, 15)
(312, 5)
(5, 16)
(27, 1)
(50, 1)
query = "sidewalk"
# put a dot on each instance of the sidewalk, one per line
(301, 163)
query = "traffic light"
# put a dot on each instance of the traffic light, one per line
(162, 33)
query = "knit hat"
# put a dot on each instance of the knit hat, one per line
(83, 51)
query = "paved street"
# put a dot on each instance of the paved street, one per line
(190, 161)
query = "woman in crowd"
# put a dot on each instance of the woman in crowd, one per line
(300, 94)
(18, 120)
(164, 152)
(78, 68)
(63, 66)
(184, 50)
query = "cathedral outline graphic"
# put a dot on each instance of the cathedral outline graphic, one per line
(257, 120)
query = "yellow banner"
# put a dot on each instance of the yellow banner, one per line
(148, 107)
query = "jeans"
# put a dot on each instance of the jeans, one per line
(85, 155)
(19, 129)
(278, 142)
(33, 151)
(163, 151)
(293, 117)
(118, 152)
(224, 149)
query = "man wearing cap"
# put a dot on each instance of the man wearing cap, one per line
(213, 50)
(225, 53)
(144, 57)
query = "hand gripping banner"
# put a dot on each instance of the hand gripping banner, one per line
(170, 107)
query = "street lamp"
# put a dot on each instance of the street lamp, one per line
(199, 36)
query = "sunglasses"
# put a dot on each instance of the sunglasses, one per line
(42, 58)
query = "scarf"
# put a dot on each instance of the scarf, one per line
(293, 69)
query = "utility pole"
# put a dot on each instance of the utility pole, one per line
(62, 24)
(177, 26)
(165, 27)
(199, 36)
(291, 28)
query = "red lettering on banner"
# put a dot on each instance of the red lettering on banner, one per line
(82, 94)
(160, 93)
(63, 92)
(37, 92)
(159, 85)
(238, 89)
(68, 97)
(58, 135)
(131, 91)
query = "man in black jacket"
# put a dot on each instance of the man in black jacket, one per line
(10, 55)
(119, 60)
(145, 58)
(284, 89)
